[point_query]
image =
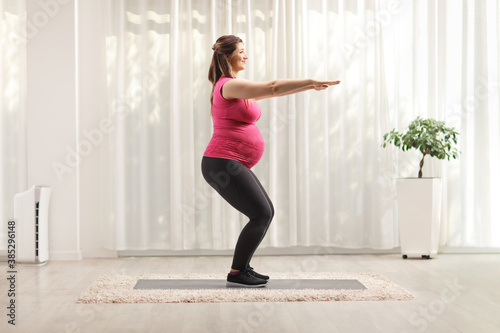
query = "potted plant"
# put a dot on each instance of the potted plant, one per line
(419, 199)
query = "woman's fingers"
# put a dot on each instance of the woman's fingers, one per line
(325, 84)
(322, 85)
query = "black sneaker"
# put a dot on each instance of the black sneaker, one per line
(244, 280)
(257, 275)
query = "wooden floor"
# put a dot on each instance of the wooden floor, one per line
(454, 293)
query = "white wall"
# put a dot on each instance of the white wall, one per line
(51, 117)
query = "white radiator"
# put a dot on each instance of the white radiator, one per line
(31, 211)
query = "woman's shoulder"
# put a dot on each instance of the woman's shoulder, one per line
(218, 98)
(223, 79)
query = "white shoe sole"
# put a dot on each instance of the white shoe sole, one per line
(241, 285)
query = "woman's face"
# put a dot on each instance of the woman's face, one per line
(238, 59)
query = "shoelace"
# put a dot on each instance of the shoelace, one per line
(246, 273)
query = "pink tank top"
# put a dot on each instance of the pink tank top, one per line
(235, 136)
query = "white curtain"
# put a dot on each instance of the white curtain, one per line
(442, 61)
(330, 181)
(13, 103)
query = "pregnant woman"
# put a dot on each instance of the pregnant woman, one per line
(237, 145)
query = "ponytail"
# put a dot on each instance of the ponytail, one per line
(220, 65)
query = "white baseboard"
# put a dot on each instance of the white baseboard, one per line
(65, 255)
(469, 250)
(99, 253)
(298, 250)
(287, 251)
(111, 254)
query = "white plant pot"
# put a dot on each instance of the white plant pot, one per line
(419, 215)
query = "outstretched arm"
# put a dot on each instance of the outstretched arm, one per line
(289, 93)
(245, 89)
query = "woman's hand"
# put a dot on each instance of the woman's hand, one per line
(322, 85)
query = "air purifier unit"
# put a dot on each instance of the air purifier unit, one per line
(31, 211)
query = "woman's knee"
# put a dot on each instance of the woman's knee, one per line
(264, 216)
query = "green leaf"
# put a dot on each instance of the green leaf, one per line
(429, 136)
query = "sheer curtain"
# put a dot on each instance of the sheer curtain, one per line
(13, 102)
(331, 183)
(444, 58)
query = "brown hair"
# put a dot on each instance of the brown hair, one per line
(221, 66)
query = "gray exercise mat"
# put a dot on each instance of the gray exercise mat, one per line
(272, 284)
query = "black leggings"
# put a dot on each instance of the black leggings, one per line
(241, 188)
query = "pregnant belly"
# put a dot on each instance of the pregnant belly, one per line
(246, 147)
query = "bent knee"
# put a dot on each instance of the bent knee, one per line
(263, 217)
